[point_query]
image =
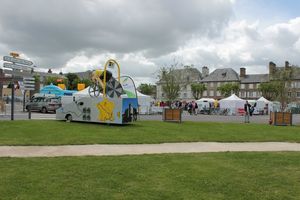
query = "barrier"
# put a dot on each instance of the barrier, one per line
(173, 115)
(281, 118)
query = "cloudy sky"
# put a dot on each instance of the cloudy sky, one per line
(143, 35)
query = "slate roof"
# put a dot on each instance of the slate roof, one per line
(187, 74)
(225, 74)
(255, 78)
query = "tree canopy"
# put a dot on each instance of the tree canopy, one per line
(229, 88)
(170, 84)
(198, 89)
(147, 89)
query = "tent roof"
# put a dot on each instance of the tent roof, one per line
(263, 99)
(206, 99)
(141, 95)
(233, 97)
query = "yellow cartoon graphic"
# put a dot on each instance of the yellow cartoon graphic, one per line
(106, 109)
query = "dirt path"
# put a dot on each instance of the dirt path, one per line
(139, 149)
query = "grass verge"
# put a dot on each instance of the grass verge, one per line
(48, 132)
(177, 176)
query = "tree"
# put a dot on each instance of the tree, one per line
(86, 81)
(269, 90)
(169, 82)
(73, 80)
(229, 88)
(147, 89)
(282, 81)
(198, 89)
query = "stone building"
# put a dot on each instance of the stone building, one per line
(249, 83)
(217, 78)
(185, 77)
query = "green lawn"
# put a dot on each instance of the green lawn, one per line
(48, 132)
(177, 176)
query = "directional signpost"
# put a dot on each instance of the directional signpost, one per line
(28, 84)
(17, 60)
(15, 63)
(16, 66)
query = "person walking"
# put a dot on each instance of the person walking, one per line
(247, 107)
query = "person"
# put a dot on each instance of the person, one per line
(252, 109)
(247, 107)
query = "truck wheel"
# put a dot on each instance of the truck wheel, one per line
(68, 118)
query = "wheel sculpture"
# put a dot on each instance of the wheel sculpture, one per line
(94, 90)
(114, 88)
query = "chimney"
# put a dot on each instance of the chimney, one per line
(272, 68)
(242, 72)
(287, 65)
(205, 71)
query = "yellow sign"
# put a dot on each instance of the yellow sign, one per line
(106, 109)
(62, 86)
(80, 86)
(14, 54)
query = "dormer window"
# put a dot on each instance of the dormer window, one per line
(224, 74)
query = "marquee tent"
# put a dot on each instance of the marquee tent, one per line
(233, 104)
(264, 105)
(144, 103)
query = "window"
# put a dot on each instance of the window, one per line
(211, 93)
(205, 93)
(211, 84)
(242, 94)
(298, 94)
(254, 94)
(184, 95)
(188, 78)
(218, 84)
(242, 86)
(250, 94)
(218, 93)
(250, 86)
(162, 94)
(289, 94)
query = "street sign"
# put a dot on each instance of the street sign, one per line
(17, 60)
(16, 73)
(15, 66)
(29, 83)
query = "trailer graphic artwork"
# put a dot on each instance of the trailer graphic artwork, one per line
(106, 109)
(109, 100)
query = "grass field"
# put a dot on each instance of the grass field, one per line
(48, 132)
(177, 176)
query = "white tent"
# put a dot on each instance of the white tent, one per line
(206, 100)
(263, 105)
(144, 103)
(233, 104)
(204, 103)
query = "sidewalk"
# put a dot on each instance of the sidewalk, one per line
(139, 149)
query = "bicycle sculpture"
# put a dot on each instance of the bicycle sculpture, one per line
(104, 82)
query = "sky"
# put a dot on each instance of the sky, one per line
(143, 36)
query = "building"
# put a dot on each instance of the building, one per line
(185, 77)
(217, 78)
(293, 72)
(249, 83)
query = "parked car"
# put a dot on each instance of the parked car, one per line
(44, 104)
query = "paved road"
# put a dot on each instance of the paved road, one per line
(139, 149)
(263, 119)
